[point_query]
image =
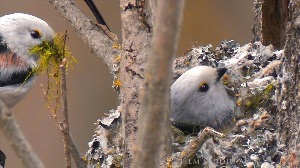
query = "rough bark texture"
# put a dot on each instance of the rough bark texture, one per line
(288, 117)
(136, 43)
(99, 39)
(256, 29)
(155, 101)
(274, 19)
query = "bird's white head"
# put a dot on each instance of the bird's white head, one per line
(198, 97)
(20, 32)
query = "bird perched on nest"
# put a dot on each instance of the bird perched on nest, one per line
(199, 99)
(18, 34)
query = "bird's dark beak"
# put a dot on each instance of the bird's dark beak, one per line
(220, 73)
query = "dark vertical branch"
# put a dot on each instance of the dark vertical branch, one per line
(274, 20)
(288, 116)
(155, 103)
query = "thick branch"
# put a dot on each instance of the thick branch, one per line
(274, 19)
(13, 133)
(136, 45)
(98, 37)
(155, 103)
(288, 117)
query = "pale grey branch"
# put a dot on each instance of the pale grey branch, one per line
(13, 133)
(155, 103)
(98, 37)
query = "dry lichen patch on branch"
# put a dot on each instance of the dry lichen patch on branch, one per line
(53, 55)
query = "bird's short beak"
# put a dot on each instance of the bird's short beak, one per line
(220, 73)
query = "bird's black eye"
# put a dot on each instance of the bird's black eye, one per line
(203, 87)
(36, 34)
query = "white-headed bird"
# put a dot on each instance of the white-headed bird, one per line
(199, 99)
(18, 34)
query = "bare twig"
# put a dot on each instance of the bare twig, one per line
(69, 144)
(99, 39)
(70, 147)
(194, 146)
(13, 133)
(64, 126)
(155, 103)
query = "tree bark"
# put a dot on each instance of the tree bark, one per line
(155, 101)
(274, 19)
(280, 26)
(135, 49)
(288, 117)
(99, 39)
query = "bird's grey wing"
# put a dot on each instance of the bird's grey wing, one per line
(13, 70)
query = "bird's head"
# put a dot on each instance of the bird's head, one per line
(199, 81)
(28, 46)
(198, 97)
(20, 32)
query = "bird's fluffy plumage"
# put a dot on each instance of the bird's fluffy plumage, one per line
(191, 106)
(18, 34)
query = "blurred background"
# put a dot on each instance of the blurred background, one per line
(89, 84)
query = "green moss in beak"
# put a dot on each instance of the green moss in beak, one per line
(53, 55)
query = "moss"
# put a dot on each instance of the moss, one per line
(52, 56)
(260, 99)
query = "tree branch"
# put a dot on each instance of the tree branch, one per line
(288, 97)
(96, 12)
(155, 103)
(70, 147)
(13, 133)
(274, 19)
(64, 126)
(98, 37)
(135, 50)
(193, 147)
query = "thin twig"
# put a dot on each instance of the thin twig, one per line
(194, 146)
(64, 126)
(20, 145)
(70, 148)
